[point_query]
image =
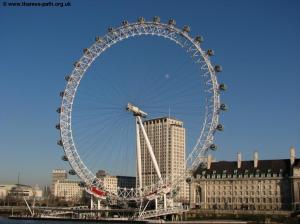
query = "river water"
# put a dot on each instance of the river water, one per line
(4, 220)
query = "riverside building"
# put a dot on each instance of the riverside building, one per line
(126, 181)
(68, 190)
(113, 183)
(248, 185)
(20, 191)
(109, 182)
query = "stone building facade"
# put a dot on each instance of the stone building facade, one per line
(109, 182)
(113, 183)
(68, 190)
(248, 185)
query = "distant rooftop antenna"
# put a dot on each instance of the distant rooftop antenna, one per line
(18, 177)
(169, 112)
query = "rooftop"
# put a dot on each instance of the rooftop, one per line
(163, 119)
(263, 166)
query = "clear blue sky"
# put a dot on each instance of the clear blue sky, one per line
(256, 42)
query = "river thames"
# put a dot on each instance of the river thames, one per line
(4, 220)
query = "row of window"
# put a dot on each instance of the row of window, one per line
(245, 193)
(253, 181)
(243, 200)
(244, 187)
(247, 206)
(245, 175)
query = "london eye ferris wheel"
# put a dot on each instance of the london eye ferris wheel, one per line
(96, 123)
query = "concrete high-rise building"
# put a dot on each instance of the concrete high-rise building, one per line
(58, 175)
(167, 137)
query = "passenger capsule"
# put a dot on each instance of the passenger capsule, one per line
(156, 19)
(57, 126)
(186, 29)
(220, 127)
(210, 52)
(58, 110)
(223, 107)
(72, 172)
(64, 158)
(222, 87)
(188, 180)
(174, 192)
(59, 142)
(172, 22)
(110, 29)
(218, 68)
(98, 39)
(67, 78)
(141, 20)
(86, 51)
(81, 184)
(213, 147)
(62, 93)
(199, 39)
(125, 23)
(76, 64)
(94, 182)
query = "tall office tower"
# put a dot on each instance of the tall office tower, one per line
(57, 174)
(167, 137)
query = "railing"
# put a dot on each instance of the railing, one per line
(161, 212)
